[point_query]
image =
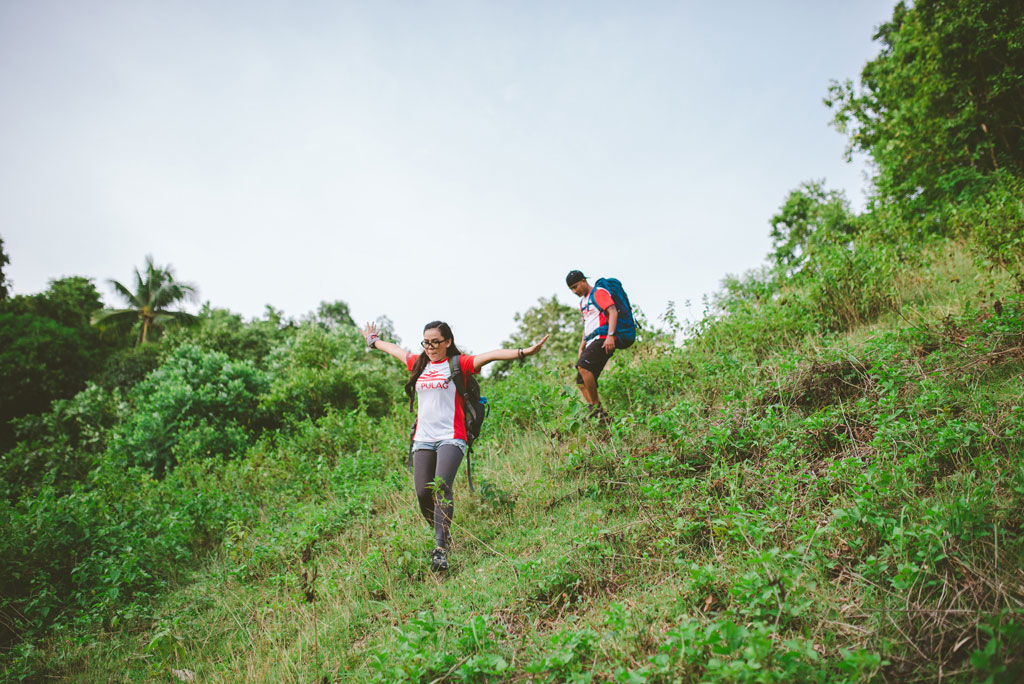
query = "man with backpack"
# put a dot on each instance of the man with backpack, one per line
(607, 325)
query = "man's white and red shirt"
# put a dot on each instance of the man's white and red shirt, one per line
(594, 316)
(440, 415)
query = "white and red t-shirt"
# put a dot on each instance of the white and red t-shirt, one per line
(593, 316)
(440, 414)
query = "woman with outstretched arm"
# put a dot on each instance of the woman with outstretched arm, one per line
(439, 443)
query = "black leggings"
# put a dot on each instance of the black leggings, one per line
(437, 505)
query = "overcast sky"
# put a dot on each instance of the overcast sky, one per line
(420, 160)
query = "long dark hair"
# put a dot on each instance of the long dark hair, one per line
(423, 359)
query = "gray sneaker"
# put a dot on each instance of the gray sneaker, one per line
(439, 560)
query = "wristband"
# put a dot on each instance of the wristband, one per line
(522, 356)
(371, 340)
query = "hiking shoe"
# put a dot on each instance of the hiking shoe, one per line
(598, 413)
(439, 560)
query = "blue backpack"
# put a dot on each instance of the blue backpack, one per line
(625, 326)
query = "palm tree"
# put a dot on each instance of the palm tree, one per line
(155, 290)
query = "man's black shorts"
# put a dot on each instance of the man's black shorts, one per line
(593, 358)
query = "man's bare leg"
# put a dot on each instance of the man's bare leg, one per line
(589, 387)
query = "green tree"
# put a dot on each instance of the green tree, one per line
(942, 105)
(811, 214)
(47, 348)
(335, 314)
(155, 290)
(71, 301)
(3, 278)
(547, 316)
(222, 330)
(40, 360)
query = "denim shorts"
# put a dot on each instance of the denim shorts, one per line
(434, 446)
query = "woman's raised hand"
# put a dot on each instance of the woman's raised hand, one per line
(370, 334)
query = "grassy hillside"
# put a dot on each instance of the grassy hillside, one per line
(769, 505)
(824, 483)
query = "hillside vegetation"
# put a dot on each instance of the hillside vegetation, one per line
(822, 483)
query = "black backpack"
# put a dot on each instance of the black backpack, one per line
(475, 411)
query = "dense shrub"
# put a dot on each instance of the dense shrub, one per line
(127, 367)
(198, 403)
(95, 547)
(320, 369)
(223, 331)
(850, 284)
(86, 551)
(993, 224)
(62, 445)
(47, 348)
(40, 360)
(754, 315)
